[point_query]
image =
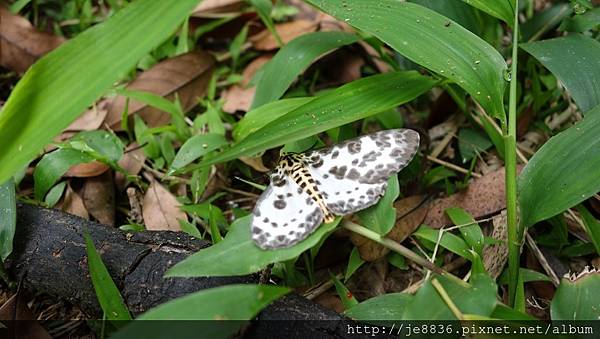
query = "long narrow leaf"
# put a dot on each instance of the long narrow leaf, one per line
(8, 217)
(62, 84)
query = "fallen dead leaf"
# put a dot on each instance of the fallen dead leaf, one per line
(132, 162)
(255, 162)
(73, 203)
(409, 219)
(484, 196)
(264, 41)
(330, 300)
(99, 198)
(187, 75)
(86, 170)
(91, 119)
(208, 8)
(239, 97)
(21, 44)
(161, 210)
(135, 201)
(495, 256)
(16, 309)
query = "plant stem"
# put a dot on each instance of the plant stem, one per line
(510, 158)
(394, 246)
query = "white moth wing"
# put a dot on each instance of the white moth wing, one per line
(284, 214)
(353, 175)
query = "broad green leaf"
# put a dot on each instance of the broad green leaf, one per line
(478, 298)
(61, 85)
(432, 41)
(456, 10)
(354, 101)
(196, 147)
(354, 263)
(259, 117)
(231, 302)
(544, 21)
(8, 217)
(384, 307)
(471, 143)
(237, 254)
(506, 313)
(592, 226)
(53, 196)
(582, 22)
(448, 241)
(472, 233)
(501, 9)
(381, 217)
(573, 59)
(102, 145)
(52, 167)
(107, 292)
(577, 300)
(562, 173)
(279, 73)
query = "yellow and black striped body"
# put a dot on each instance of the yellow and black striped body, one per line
(294, 167)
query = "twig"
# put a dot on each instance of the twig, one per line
(542, 259)
(452, 166)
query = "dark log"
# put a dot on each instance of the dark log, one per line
(49, 256)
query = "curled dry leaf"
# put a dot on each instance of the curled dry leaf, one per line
(264, 41)
(21, 44)
(409, 217)
(99, 198)
(239, 97)
(161, 210)
(132, 162)
(187, 75)
(73, 203)
(495, 256)
(86, 170)
(208, 8)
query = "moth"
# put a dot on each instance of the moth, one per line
(307, 189)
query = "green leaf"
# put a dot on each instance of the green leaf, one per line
(503, 9)
(354, 262)
(472, 233)
(232, 302)
(544, 21)
(577, 300)
(384, 307)
(52, 167)
(478, 298)
(54, 194)
(196, 147)
(354, 101)
(506, 313)
(381, 217)
(582, 22)
(471, 143)
(259, 117)
(573, 59)
(279, 73)
(237, 254)
(448, 241)
(107, 292)
(562, 173)
(432, 41)
(592, 226)
(102, 145)
(8, 217)
(527, 274)
(263, 8)
(61, 85)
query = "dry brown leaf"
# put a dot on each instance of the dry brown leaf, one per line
(484, 196)
(264, 41)
(239, 97)
(135, 201)
(495, 256)
(408, 220)
(16, 308)
(132, 162)
(330, 300)
(72, 203)
(99, 198)
(21, 44)
(187, 75)
(91, 119)
(256, 163)
(209, 7)
(86, 170)
(161, 210)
